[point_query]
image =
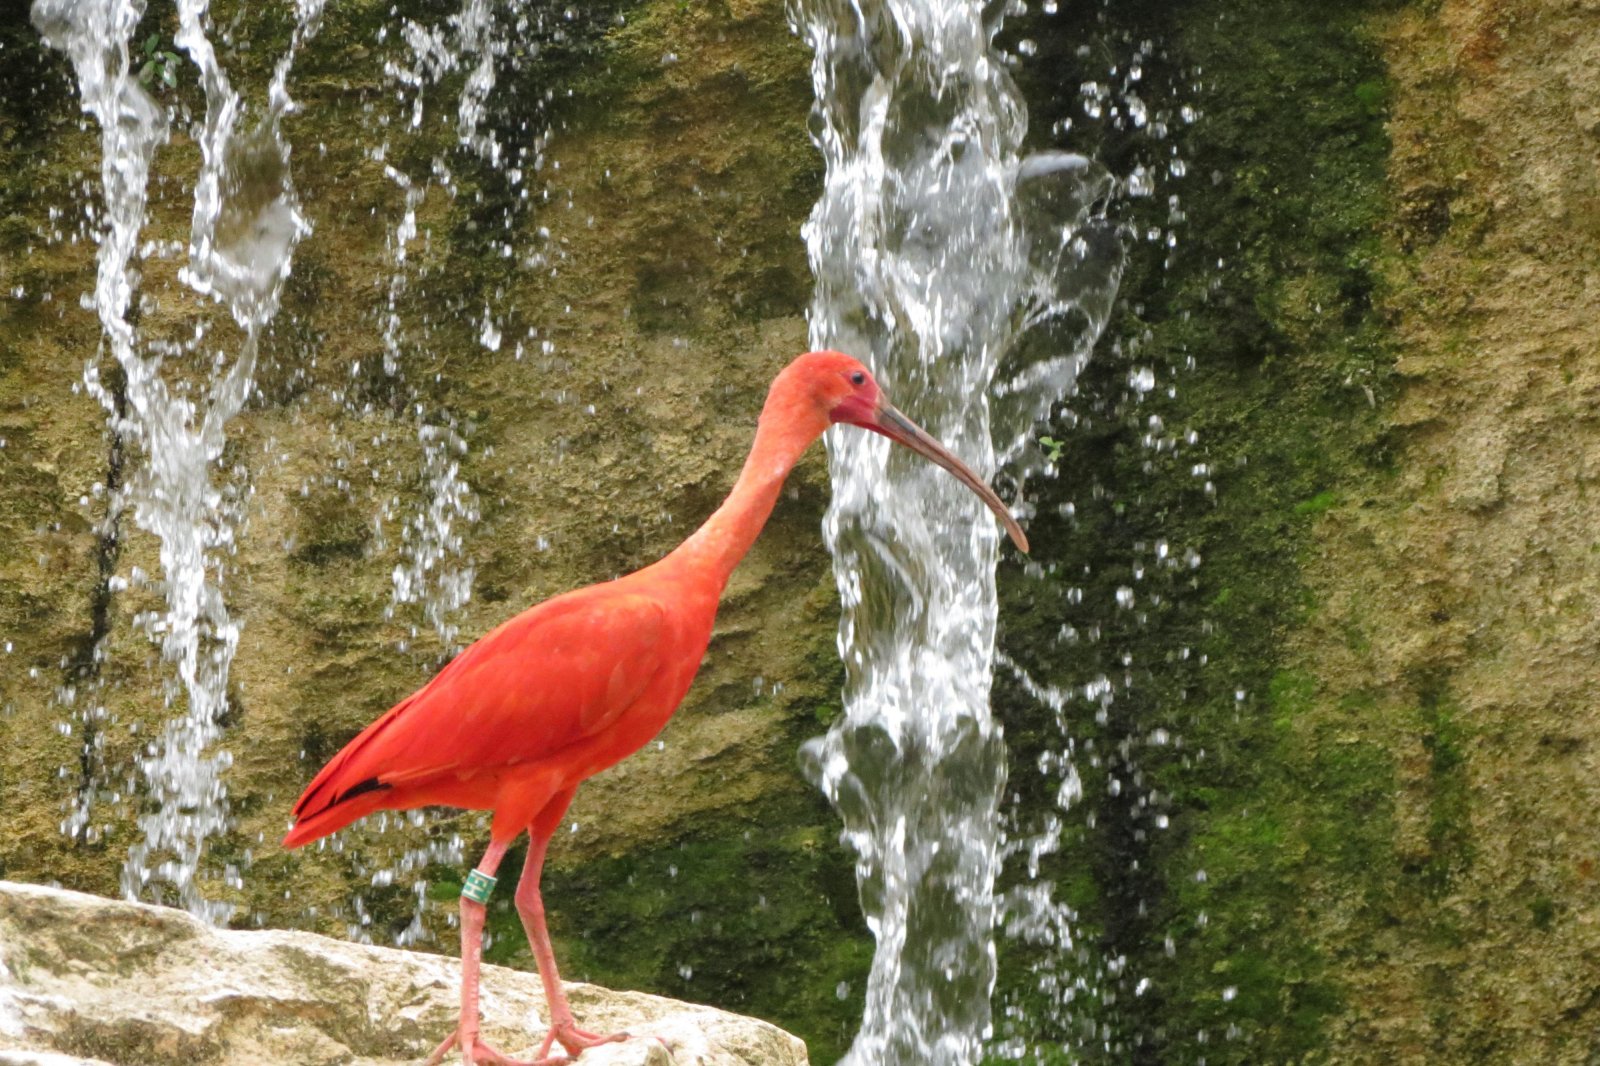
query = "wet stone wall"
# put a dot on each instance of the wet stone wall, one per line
(1298, 676)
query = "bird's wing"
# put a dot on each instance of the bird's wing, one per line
(544, 680)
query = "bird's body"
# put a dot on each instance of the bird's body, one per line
(569, 687)
(549, 698)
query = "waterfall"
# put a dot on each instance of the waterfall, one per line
(974, 282)
(245, 226)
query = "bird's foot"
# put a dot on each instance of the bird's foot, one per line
(480, 1053)
(574, 1040)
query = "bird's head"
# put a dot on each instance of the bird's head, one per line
(845, 389)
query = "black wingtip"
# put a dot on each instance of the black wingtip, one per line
(360, 788)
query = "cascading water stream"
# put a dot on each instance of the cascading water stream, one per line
(432, 572)
(974, 282)
(95, 38)
(245, 226)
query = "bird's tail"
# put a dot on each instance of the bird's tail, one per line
(333, 818)
(343, 790)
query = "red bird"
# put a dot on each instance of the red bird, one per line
(567, 688)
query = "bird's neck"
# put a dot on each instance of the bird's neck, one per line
(717, 546)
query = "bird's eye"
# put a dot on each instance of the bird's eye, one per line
(858, 378)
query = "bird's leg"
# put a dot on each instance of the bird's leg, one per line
(473, 1050)
(563, 1029)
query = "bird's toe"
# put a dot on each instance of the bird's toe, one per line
(443, 1049)
(575, 1041)
(475, 1052)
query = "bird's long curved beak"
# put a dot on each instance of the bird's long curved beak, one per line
(897, 427)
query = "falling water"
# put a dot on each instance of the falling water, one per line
(95, 38)
(974, 281)
(432, 571)
(245, 226)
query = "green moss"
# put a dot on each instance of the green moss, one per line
(1449, 800)
(1200, 866)
(1373, 96)
(1317, 504)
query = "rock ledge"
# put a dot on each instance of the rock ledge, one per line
(86, 981)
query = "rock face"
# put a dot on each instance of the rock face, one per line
(90, 980)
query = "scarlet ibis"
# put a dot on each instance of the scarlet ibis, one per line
(567, 688)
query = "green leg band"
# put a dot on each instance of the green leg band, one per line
(478, 887)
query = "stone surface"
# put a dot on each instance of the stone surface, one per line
(85, 980)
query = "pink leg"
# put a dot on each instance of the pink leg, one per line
(473, 1050)
(530, 906)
